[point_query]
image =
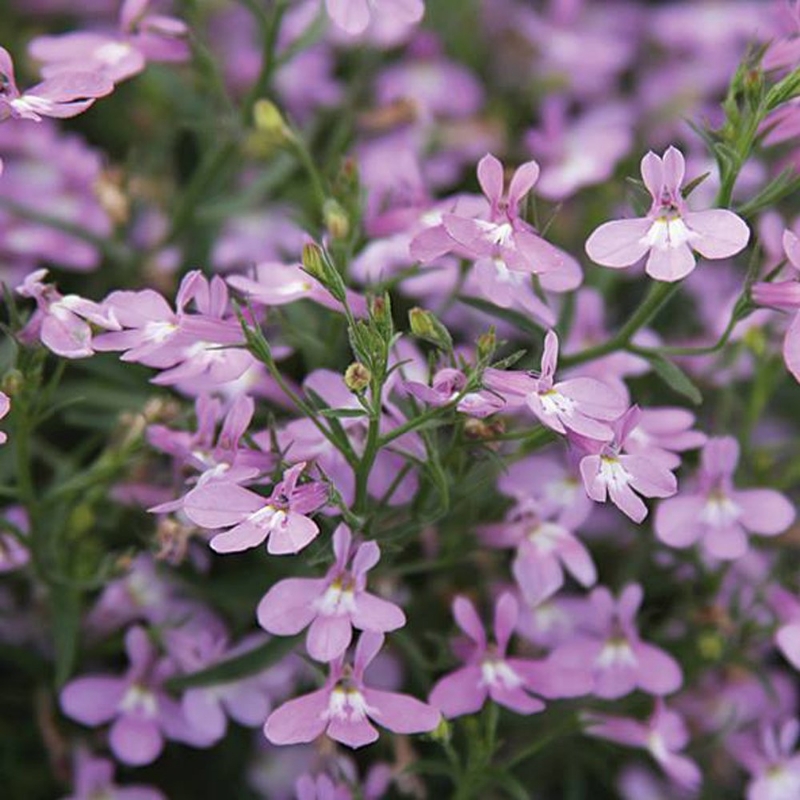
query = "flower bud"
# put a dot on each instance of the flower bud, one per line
(12, 382)
(357, 377)
(425, 326)
(313, 261)
(336, 220)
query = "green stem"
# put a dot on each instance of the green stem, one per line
(270, 28)
(659, 295)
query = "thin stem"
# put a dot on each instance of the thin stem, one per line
(271, 29)
(659, 295)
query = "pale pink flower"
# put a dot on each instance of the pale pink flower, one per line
(610, 648)
(344, 707)
(251, 518)
(610, 472)
(354, 16)
(663, 735)
(332, 605)
(785, 296)
(490, 673)
(5, 407)
(60, 96)
(582, 405)
(718, 513)
(670, 231)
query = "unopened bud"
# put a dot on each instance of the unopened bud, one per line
(425, 326)
(443, 731)
(268, 120)
(336, 220)
(12, 382)
(111, 196)
(481, 430)
(357, 377)
(487, 344)
(313, 261)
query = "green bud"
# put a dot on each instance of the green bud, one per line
(424, 325)
(443, 731)
(314, 261)
(710, 645)
(357, 377)
(336, 220)
(269, 121)
(487, 344)
(12, 382)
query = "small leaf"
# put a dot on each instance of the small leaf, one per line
(342, 413)
(65, 615)
(693, 184)
(242, 666)
(675, 378)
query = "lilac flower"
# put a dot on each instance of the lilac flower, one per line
(772, 761)
(332, 605)
(206, 708)
(344, 707)
(544, 550)
(785, 296)
(610, 648)
(252, 518)
(61, 322)
(661, 433)
(581, 405)
(580, 152)
(354, 15)
(608, 472)
(489, 673)
(142, 37)
(93, 778)
(670, 231)
(207, 344)
(320, 788)
(447, 384)
(505, 235)
(60, 96)
(663, 735)
(5, 407)
(787, 637)
(719, 514)
(141, 712)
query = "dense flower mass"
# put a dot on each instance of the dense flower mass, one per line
(323, 429)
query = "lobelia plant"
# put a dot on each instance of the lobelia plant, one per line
(304, 367)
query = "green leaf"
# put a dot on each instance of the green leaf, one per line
(242, 666)
(786, 183)
(675, 378)
(693, 184)
(342, 413)
(65, 616)
(509, 361)
(513, 787)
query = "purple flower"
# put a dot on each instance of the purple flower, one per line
(663, 735)
(251, 518)
(610, 648)
(785, 296)
(332, 605)
(446, 386)
(141, 712)
(787, 637)
(354, 15)
(206, 344)
(343, 708)
(93, 778)
(489, 673)
(719, 514)
(206, 708)
(670, 231)
(608, 472)
(142, 37)
(320, 788)
(545, 549)
(64, 95)
(61, 322)
(5, 407)
(581, 405)
(772, 761)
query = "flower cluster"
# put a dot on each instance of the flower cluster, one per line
(324, 428)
